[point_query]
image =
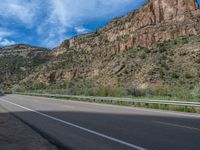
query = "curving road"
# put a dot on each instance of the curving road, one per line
(90, 126)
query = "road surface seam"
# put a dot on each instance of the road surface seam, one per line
(177, 125)
(79, 127)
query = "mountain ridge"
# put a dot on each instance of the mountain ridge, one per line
(156, 46)
(24, 50)
(18, 61)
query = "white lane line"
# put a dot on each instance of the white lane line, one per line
(79, 127)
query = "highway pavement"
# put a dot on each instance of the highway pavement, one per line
(89, 126)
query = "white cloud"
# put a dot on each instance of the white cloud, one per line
(5, 42)
(81, 30)
(52, 20)
(70, 13)
(22, 11)
(4, 33)
(64, 15)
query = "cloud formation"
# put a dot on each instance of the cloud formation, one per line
(5, 42)
(49, 22)
(21, 11)
(4, 33)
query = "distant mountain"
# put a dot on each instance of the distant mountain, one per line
(23, 50)
(18, 61)
(155, 47)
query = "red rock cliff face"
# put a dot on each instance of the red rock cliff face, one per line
(162, 10)
(157, 21)
(170, 9)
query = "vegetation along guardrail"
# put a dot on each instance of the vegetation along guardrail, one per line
(115, 99)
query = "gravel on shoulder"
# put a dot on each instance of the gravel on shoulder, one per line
(15, 135)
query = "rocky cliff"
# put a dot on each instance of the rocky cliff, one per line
(157, 21)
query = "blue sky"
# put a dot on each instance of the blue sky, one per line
(47, 23)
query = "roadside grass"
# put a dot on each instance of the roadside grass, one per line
(131, 104)
(167, 93)
(121, 93)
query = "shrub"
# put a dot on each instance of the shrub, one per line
(198, 61)
(142, 55)
(188, 76)
(17, 88)
(175, 75)
(109, 91)
(196, 92)
(134, 91)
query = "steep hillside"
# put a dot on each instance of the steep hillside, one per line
(155, 47)
(167, 68)
(17, 61)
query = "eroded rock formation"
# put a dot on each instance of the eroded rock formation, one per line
(157, 21)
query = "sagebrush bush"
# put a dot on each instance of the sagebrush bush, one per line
(196, 92)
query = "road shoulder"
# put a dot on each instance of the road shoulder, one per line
(14, 134)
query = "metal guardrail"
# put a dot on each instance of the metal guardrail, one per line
(130, 100)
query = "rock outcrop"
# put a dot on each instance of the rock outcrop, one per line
(157, 21)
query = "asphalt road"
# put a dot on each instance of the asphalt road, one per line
(90, 126)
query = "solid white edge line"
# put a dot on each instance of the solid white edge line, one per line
(79, 127)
